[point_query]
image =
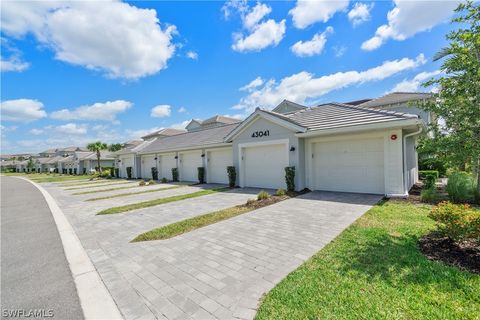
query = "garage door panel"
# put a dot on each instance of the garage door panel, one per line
(189, 166)
(217, 163)
(147, 163)
(166, 163)
(265, 166)
(349, 166)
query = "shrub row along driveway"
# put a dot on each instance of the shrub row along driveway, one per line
(219, 271)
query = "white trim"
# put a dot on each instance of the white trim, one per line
(351, 129)
(261, 114)
(241, 146)
(186, 149)
(95, 300)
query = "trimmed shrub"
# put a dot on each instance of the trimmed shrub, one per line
(175, 174)
(281, 192)
(423, 174)
(151, 182)
(74, 170)
(164, 180)
(232, 176)
(201, 174)
(117, 172)
(142, 183)
(129, 172)
(430, 181)
(457, 222)
(70, 171)
(290, 178)
(460, 187)
(262, 195)
(112, 172)
(429, 195)
(154, 173)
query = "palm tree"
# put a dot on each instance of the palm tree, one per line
(97, 147)
(115, 147)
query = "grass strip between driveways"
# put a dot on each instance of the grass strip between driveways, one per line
(375, 270)
(82, 183)
(105, 190)
(190, 224)
(132, 193)
(156, 202)
(99, 185)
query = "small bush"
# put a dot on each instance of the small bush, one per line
(117, 172)
(262, 195)
(429, 195)
(105, 173)
(151, 182)
(164, 180)
(201, 174)
(175, 174)
(430, 182)
(457, 222)
(129, 172)
(154, 173)
(460, 187)
(290, 178)
(281, 192)
(423, 174)
(232, 176)
(112, 172)
(142, 183)
(250, 202)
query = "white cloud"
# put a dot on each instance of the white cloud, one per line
(311, 47)
(96, 112)
(71, 129)
(307, 12)
(414, 84)
(13, 64)
(260, 34)
(22, 110)
(303, 85)
(161, 111)
(182, 110)
(264, 35)
(180, 125)
(192, 55)
(253, 84)
(404, 20)
(360, 13)
(232, 6)
(36, 131)
(339, 51)
(256, 15)
(116, 38)
(5, 129)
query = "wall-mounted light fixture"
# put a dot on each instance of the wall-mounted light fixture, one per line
(119, 160)
(176, 157)
(203, 155)
(155, 158)
(292, 148)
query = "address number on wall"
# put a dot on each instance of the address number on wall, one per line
(259, 134)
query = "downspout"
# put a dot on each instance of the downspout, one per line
(405, 187)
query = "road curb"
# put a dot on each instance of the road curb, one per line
(95, 299)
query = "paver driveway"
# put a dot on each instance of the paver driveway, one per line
(220, 271)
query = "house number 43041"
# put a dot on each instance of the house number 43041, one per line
(259, 134)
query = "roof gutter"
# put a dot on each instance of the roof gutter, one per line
(199, 147)
(358, 128)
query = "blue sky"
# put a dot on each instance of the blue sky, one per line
(116, 62)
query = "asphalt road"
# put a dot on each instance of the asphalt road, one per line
(35, 274)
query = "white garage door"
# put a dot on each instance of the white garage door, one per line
(217, 163)
(349, 166)
(124, 163)
(264, 166)
(167, 161)
(189, 162)
(148, 162)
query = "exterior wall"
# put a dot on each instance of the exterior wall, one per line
(406, 108)
(412, 161)
(276, 133)
(393, 161)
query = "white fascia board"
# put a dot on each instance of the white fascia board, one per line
(360, 128)
(200, 147)
(260, 114)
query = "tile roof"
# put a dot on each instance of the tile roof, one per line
(219, 119)
(164, 132)
(396, 97)
(54, 160)
(136, 148)
(104, 155)
(337, 115)
(197, 138)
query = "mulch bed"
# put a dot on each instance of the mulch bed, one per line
(465, 256)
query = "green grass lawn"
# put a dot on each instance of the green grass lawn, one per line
(132, 193)
(374, 270)
(82, 183)
(156, 202)
(55, 178)
(100, 185)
